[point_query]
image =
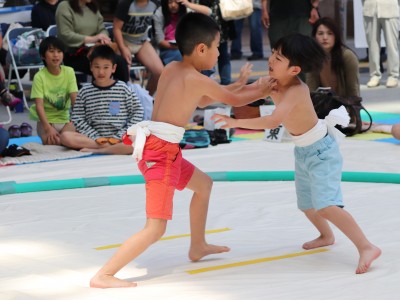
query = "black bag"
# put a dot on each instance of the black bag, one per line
(325, 101)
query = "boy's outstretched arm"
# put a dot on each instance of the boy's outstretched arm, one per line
(245, 72)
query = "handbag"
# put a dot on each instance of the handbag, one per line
(235, 9)
(325, 101)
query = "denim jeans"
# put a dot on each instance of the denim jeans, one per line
(168, 55)
(256, 37)
(224, 64)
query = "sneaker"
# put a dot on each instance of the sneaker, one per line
(255, 57)
(373, 82)
(392, 82)
(9, 99)
(14, 131)
(26, 129)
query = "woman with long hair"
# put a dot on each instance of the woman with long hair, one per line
(340, 71)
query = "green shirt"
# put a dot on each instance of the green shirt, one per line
(55, 91)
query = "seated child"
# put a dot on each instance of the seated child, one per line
(104, 109)
(54, 89)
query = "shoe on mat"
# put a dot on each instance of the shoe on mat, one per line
(374, 81)
(26, 129)
(14, 131)
(392, 82)
(15, 151)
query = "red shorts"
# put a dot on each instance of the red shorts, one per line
(164, 170)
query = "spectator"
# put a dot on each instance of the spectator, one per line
(44, 13)
(256, 35)
(54, 89)
(340, 71)
(104, 109)
(166, 18)
(80, 25)
(288, 16)
(6, 98)
(396, 131)
(227, 31)
(132, 21)
(382, 15)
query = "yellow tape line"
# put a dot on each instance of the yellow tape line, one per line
(167, 238)
(255, 261)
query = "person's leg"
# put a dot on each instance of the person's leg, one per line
(256, 38)
(236, 45)
(391, 34)
(345, 222)
(326, 236)
(148, 56)
(373, 36)
(76, 140)
(4, 138)
(396, 131)
(153, 230)
(224, 64)
(201, 185)
(116, 149)
(169, 55)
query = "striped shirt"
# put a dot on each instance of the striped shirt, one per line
(106, 111)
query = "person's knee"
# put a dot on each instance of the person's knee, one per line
(207, 184)
(156, 230)
(396, 131)
(66, 138)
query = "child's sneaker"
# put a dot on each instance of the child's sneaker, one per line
(14, 131)
(26, 129)
(9, 99)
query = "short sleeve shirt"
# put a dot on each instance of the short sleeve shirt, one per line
(55, 91)
(136, 20)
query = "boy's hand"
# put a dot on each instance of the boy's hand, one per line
(245, 72)
(267, 85)
(227, 122)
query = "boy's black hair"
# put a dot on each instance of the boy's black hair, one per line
(193, 29)
(50, 42)
(103, 51)
(302, 51)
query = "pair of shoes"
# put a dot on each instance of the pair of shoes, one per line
(15, 151)
(236, 56)
(374, 81)
(9, 99)
(255, 57)
(392, 82)
(16, 131)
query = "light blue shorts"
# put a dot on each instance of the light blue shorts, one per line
(318, 173)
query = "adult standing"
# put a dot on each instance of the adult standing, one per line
(288, 16)
(79, 24)
(382, 15)
(256, 35)
(44, 13)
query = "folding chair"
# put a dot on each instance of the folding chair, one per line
(52, 30)
(136, 67)
(12, 35)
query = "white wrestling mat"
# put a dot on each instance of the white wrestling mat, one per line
(49, 239)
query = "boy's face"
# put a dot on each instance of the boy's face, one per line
(102, 70)
(213, 52)
(278, 65)
(53, 57)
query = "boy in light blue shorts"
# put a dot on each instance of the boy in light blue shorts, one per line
(318, 160)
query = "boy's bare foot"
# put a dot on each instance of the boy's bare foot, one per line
(199, 253)
(319, 242)
(367, 256)
(109, 281)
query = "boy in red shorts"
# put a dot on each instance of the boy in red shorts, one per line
(181, 89)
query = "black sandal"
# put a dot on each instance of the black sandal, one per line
(15, 151)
